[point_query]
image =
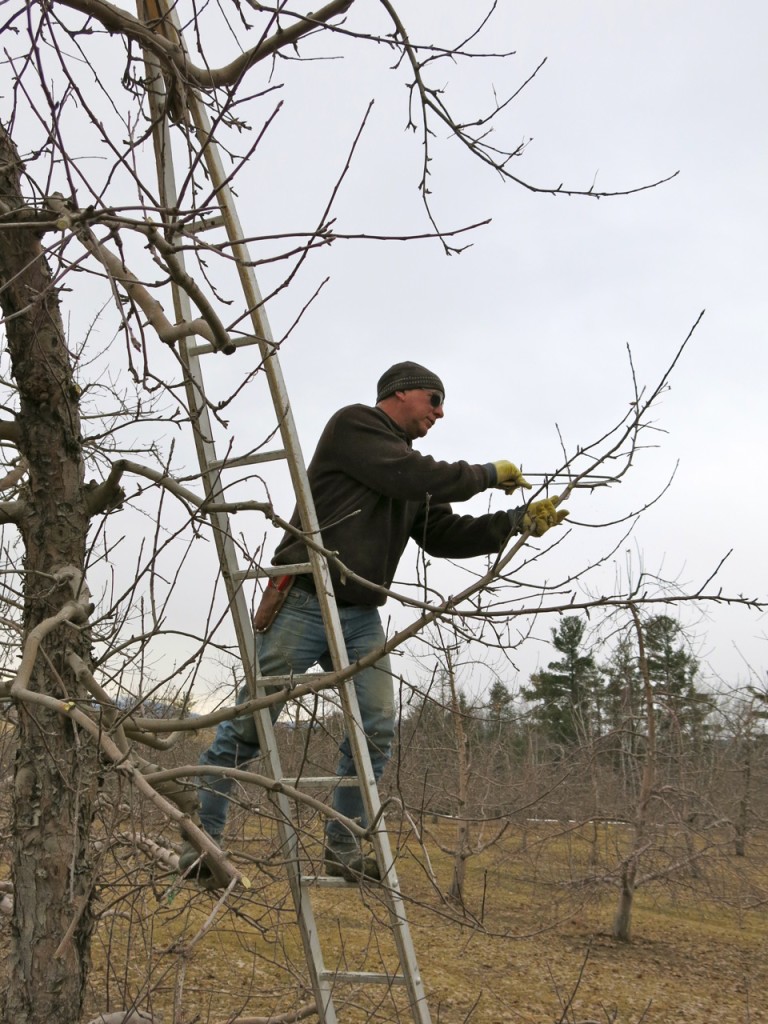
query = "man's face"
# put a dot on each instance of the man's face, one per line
(420, 409)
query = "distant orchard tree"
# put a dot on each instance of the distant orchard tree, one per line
(624, 716)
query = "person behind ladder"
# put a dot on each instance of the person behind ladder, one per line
(372, 492)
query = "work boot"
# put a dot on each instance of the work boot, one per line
(350, 863)
(194, 867)
(178, 791)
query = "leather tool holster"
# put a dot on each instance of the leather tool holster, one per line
(272, 601)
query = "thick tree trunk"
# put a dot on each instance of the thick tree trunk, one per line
(56, 765)
(622, 919)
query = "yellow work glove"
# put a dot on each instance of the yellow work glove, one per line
(509, 477)
(540, 515)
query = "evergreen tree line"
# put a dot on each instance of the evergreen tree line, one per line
(577, 699)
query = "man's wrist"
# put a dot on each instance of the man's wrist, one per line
(516, 519)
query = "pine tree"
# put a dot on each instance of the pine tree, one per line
(568, 694)
(498, 709)
(682, 707)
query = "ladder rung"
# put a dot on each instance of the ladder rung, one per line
(207, 224)
(249, 460)
(243, 342)
(270, 682)
(363, 977)
(326, 882)
(297, 569)
(321, 780)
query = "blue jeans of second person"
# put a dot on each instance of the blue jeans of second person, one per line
(294, 643)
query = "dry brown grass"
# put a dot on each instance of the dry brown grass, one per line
(532, 944)
(697, 954)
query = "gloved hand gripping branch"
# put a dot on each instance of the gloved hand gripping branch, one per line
(509, 477)
(539, 516)
(535, 518)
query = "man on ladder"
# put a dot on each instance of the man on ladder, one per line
(372, 493)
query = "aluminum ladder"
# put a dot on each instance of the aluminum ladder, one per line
(192, 351)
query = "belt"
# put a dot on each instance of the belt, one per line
(307, 584)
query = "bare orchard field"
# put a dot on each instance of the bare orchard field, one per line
(699, 949)
(531, 945)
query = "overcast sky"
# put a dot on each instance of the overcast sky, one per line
(531, 326)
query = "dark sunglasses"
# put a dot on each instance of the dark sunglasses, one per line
(436, 399)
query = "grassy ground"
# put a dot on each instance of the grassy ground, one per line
(531, 945)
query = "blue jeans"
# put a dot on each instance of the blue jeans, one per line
(294, 643)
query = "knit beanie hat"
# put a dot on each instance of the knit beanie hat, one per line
(404, 377)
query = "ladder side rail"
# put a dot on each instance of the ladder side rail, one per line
(202, 427)
(265, 340)
(203, 435)
(261, 330)
(380, 837)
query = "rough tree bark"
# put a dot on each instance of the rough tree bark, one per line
(56, 767)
